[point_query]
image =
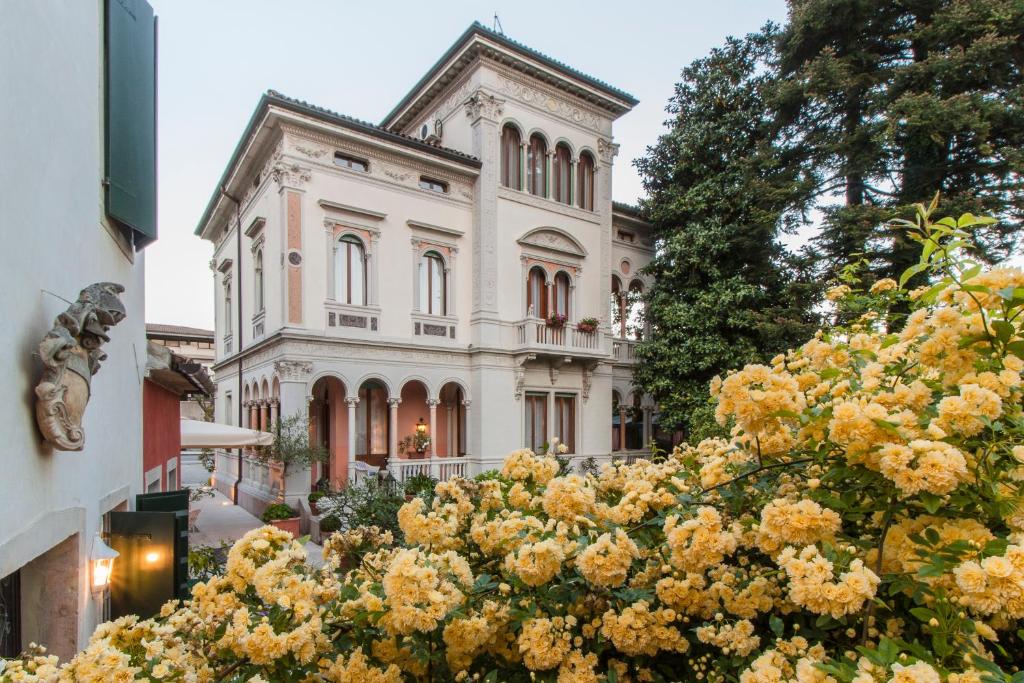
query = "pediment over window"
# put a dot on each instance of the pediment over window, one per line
(553, 239)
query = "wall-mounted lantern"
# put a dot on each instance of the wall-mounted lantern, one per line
(421, 428)
(101, 559)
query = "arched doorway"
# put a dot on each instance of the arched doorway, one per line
(328, 423)
(371, 428)
(451, 421)
(414, 422)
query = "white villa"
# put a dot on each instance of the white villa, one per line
(433, 274)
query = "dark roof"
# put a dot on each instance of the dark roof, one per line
(630, 209)
(476, 28)
(177, 332)
(176, 373)
(273, 97)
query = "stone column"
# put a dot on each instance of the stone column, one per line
(622, 427)
(254, 420)
(606, 151)
(275, 410)
(351, 402)
(465, 416)
(393, 434)
(264, 415)
(294, 399)
(434, 468)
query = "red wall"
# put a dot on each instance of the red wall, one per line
(161, 429)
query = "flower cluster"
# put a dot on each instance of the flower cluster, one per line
(863, 523)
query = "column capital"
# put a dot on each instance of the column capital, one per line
(393, 402)
(351, 401)
(483, 105)
(467, 402)
(433, 402)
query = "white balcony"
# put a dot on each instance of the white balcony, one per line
(624, 351)
(536, 336)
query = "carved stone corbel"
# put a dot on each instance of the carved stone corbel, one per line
(556, 366)
(588, 378)
(520, 371)
(71, 355)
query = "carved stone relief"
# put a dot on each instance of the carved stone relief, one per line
(548, 101)
(71, 355)
(483, 104)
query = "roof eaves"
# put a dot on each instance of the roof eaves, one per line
(477, 27)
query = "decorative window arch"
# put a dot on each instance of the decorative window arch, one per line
(258, 277)
(537, 292)
(350, 270)
(537, 165)
(511, 157)
(433, 284)
(562, 174)
(562, 294)
(585, 181)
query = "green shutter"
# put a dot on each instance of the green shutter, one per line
(131, 117)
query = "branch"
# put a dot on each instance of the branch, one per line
(752, 472)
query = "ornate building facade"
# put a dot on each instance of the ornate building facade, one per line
(436, 290)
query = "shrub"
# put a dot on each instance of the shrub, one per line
(330, 524)
(369, 502)
(420, 485)
(863, 522)
(278, 511)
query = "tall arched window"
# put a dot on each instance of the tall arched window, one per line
(618, 307)
(537, 292)
(537, 166)
(350, 271)
(562, 174)
(585, 181)
(562, 289)
(511, 157)
(433, 284)
(259, 280)
(635, 316)
(227, 307)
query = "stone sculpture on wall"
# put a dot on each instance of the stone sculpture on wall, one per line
(71, 355)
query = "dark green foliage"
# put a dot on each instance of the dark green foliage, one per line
(369, 502)
(279, 511)
(328, 525)
(889, 102)
(725, 292)
(421, 485)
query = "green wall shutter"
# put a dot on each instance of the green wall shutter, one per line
(131, 117)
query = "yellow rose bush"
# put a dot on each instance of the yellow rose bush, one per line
(864, 523)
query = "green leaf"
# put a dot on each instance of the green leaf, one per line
(777, 626)
(924, 614)
(1016, 348)
(931, 503)
(1004, 330)
(930, 533)
(912, 271)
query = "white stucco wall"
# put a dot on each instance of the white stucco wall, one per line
(55, 243)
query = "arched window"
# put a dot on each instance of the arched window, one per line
(537, 166)
(259, 280)
(634, 315)
(511, 157)
(433, 284)
(618, 307)
(562, 174)
(227, 307)
(562, 288)
(537, 293)
(585, 181)
(350, 271)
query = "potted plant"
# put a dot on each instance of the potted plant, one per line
(313, 498)
(587, 325)
(291, 446)
(420, 485)
(414, 445)
(283, 516)
(556, 320)
(325, 526)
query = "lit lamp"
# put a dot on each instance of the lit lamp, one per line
(102, 559)
(421, 428)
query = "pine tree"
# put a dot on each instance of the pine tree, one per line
(717, 185)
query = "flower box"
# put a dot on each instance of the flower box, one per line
(290, 525)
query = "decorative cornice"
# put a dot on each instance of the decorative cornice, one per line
(553, 239)
(546, 100)
(418, 225)
(359, 211)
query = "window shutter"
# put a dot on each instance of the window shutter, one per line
(131, 117)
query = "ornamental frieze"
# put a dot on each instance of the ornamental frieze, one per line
(548, 102)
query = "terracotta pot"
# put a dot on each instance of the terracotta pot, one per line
(313, 510)
(290, 525)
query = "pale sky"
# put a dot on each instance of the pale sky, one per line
(359, 58)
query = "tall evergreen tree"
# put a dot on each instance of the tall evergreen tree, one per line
(718, 186)
(890, 101)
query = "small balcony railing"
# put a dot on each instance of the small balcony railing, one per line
(624, 351)
(535, 333)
